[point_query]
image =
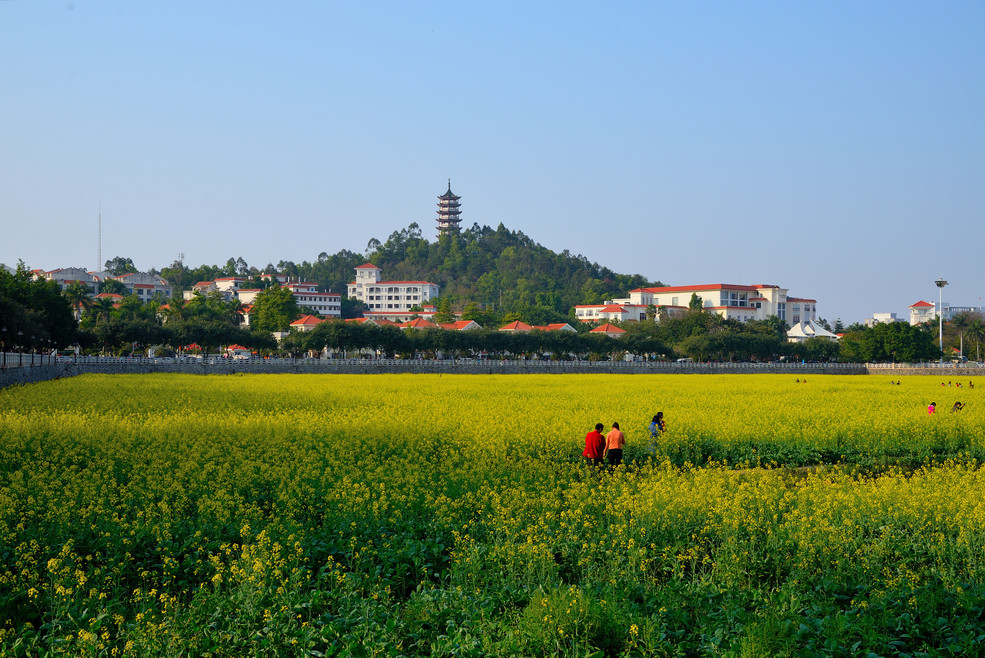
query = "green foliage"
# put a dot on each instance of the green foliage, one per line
(889, 341)
(274, 309)
(34, 312)
(120, 265)
(113, 287)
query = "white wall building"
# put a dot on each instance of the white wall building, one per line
(880, 318)
(66, 276)
(383, 297)
(326, 304)
(731, 301)
(144, 285)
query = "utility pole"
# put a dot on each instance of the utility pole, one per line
(940, 283)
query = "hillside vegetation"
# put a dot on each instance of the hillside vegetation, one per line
(489, 267)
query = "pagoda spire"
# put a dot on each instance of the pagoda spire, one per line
(449, 212)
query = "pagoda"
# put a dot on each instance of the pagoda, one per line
(448, 212)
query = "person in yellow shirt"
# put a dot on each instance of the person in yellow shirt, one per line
(615, 440)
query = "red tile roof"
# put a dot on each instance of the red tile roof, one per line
(922, 304)
(607, 329)
(419, 323)
(516, 326)
(710, 286)
(306, 320)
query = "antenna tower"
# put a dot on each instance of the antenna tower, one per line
(99, 241)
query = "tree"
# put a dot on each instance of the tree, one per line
(444, 314)
(274, 309)
(119, 265)
(79, 296)
(34, 311)
(114, 287)
(295, 343)
(695, 303)
(961, 322)
(976, 331)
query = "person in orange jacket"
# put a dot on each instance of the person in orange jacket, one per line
(615, 441)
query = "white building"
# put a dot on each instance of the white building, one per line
(144, 285)
(66, 276)
(400, 317)
(880, 318)
(731, 301)
(326, 304)
(926, 312)
(386, 297)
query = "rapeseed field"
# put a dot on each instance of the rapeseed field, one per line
(322, 515)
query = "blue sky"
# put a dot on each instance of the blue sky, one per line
(836, 149)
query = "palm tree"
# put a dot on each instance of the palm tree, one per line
(103, 308)
(79, 296)
(976, 330)
(961, 321)
(176, 310)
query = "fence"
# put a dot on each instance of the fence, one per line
(25, 359)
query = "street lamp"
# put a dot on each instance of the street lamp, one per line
(3, 345)
(940, 283)
(20, 348)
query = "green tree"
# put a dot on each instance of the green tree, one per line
(34, 311)
(976, 332)
(114, 287)
(274, 309)
(79, 297)
(444, 314)
(695, 303)
(120, 265)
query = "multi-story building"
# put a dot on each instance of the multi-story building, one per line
(400, 317)
(387, 298)
(326, 304)
(731, 301)
(144, 285)
(926, 312)
(66, 276)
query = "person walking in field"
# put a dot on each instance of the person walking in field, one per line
(957, 407)
(615, 440)
(657, 427)
(594, 446)
(932, 408)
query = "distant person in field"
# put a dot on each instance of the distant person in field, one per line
(615, 440)
(932, 408)
(594, 446)
(657, 427)
(957, 407)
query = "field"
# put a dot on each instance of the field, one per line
(452, 515)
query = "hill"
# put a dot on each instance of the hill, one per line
(484, 267)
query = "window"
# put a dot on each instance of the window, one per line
(781, 310)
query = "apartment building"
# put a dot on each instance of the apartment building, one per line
(384, 297)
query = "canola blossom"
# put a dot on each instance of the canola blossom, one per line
(453, 515)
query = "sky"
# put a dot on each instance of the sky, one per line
(836, 149)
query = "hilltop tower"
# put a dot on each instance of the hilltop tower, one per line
(448, 212)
